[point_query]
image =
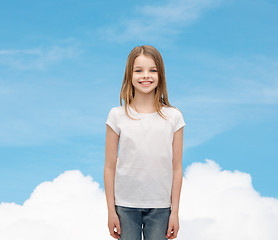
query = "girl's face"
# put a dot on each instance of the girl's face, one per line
(145, 75)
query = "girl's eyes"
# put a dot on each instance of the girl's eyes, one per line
(153, 70)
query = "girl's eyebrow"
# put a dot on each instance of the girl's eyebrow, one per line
(141, 67)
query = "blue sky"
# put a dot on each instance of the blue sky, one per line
(61, 70)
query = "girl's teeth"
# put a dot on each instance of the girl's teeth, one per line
(144, 83)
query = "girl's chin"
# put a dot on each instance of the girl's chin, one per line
(144, 91)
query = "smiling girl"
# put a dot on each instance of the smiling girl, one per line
(143, 180)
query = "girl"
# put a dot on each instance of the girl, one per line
(143, 182)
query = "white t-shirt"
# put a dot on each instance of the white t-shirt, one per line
(143, 176)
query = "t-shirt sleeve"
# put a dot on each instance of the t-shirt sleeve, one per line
(112, 121)
(179, 122)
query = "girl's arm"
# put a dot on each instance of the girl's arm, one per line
(177, 169)
(173, 226)
(111, 153)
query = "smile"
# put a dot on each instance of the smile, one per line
(146, 83)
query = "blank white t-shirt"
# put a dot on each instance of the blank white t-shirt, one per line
(143, 176)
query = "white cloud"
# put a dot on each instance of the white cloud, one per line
(179, 11)
(35, 58)
(155, 22)
(71, 206)
(21, 51)
(220, 204)
(215, 205)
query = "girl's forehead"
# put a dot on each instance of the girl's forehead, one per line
(143, 60)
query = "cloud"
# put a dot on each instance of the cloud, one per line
(215, 204)
(70, 207)
(153, 22)
(35, 58)
(220, 204)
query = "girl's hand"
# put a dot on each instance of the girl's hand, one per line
(114, 222)
(173, 226)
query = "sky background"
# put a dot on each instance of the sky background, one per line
(62, 65)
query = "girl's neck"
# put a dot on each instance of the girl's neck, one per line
(143, 103)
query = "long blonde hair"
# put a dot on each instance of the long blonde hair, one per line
(127, 91)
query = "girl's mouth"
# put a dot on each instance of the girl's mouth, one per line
(146, 83)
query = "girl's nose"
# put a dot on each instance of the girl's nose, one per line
(146, 74)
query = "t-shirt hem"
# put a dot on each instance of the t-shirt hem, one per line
(179, 126)
(144, 205)
(112, 125)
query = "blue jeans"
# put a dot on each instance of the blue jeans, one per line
(152, 222)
